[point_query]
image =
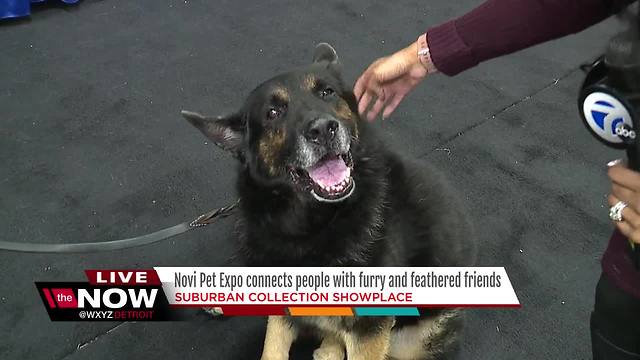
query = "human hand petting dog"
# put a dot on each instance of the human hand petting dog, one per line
(625, 187)
(389, 79)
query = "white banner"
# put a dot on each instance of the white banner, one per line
(338, 286)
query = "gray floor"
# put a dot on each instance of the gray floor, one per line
(93, 148)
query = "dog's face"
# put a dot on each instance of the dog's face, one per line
(297, 129)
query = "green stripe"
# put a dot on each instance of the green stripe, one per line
(386, 311)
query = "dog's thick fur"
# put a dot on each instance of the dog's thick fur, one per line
(400, 213)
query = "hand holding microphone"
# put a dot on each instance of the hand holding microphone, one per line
(608, 101)
(625, 189)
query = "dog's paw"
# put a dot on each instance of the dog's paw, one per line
(328, 353)
(274, 357)
(213, 311)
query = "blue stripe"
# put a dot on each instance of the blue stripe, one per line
(386, 311)
(604, 103)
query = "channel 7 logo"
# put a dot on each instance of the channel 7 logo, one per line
(109, 295)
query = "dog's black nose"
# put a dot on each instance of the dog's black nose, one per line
(322, 130)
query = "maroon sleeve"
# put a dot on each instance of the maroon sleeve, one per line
(499, 27)
(618, 265)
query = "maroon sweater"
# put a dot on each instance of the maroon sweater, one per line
(499, 27)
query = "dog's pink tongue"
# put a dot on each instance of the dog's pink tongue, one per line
(329, 172)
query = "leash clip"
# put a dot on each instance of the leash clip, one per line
(209, 217)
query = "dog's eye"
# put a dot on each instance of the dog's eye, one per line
(327, 92)
(273, 114)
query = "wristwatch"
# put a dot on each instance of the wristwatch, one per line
(425, 55)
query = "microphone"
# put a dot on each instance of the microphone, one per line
(609, 100)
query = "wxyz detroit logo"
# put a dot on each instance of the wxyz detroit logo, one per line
(129, 315)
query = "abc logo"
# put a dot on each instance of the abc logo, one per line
(607, 117)
(624, 132)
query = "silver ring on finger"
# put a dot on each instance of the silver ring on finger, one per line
(615, 212)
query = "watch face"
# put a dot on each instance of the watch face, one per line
(607, 118)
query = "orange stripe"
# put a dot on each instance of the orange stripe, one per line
(320, 311)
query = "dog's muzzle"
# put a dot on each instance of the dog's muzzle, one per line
(324, 165)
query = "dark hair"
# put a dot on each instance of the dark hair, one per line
(623, 51)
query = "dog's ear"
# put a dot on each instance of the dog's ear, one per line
(225, 131)
(325, 52)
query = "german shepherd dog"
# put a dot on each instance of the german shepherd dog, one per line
(318, 188)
